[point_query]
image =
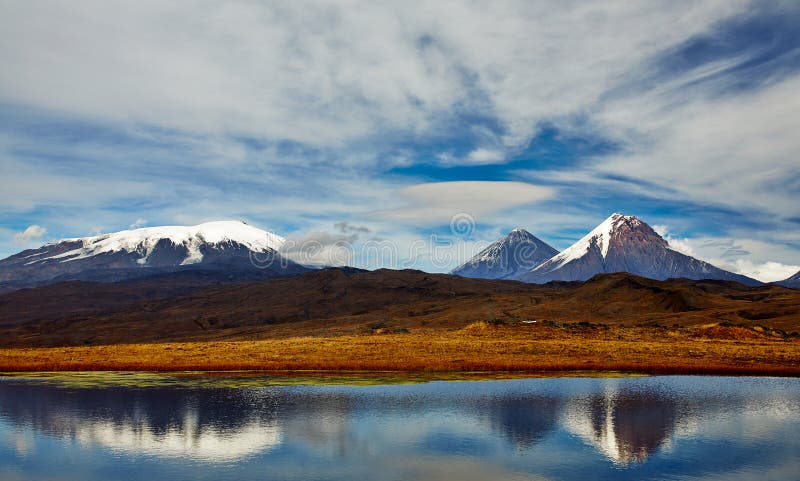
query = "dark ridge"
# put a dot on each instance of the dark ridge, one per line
(197, 305)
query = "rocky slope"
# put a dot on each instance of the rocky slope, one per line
(626, 244)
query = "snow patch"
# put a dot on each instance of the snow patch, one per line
(599, 236)
(145, 240)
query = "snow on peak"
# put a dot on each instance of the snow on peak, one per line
(600, 236)
(144, 240)
(602, 233)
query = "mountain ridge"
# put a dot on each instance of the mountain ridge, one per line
(337, 301)
(623, 243)
(237, 250)
(791, 282)
(128, 254)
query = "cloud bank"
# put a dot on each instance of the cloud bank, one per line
(398, 116)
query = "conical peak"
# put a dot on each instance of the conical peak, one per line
(519, 232)
(616, 219)
(517, 251)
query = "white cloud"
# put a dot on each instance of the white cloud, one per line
(750, 257)
(324, 248)
(60, 187)
(767, 271)
(329, 72)
(479, 156)
(485, 156)
(736, 150)
(660, 229)
(320, 249)
(439, 202)
(139, 223)
(681, 245)
(330, 75)
(33, 233)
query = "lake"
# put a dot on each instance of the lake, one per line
(161, 428)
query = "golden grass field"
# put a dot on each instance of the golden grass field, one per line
(386, 320)
(480, 346)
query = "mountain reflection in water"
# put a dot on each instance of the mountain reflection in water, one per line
(625, 426)
(523, 429)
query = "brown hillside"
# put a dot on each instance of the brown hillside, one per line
(334, 302)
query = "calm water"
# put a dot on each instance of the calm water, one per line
(564, 428)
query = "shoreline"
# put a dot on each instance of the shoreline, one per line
(491, 350)
(522, 371)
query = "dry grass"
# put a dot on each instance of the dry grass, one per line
(483, 347)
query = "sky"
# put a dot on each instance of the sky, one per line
(420, 124)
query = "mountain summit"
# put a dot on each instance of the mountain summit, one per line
(225, 246)
(623, 243)
(513, 254)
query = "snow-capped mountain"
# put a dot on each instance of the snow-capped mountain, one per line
(511, 255)
(626, 244)
(793, 282)
(223, 245)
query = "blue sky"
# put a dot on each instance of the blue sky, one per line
(382, 121)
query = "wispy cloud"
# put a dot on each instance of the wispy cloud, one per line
(438, 203)
(139, 223)
(299, 115)
(366, 69)
(33, 233)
